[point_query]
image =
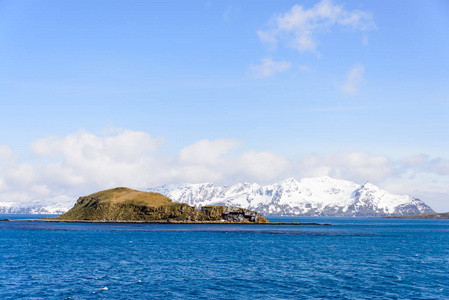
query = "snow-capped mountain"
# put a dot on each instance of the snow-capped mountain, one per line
(58, 205)
(321, 196)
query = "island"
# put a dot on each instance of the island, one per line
(128, 205)
(421, 216)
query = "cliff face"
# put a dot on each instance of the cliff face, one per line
(122, 204)
(232, 214)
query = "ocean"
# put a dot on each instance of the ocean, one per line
(355, 258)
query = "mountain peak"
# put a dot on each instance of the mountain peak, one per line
(319, 196)
(369, 186)
(289, 180)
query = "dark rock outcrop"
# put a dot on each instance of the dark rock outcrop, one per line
(232, 214)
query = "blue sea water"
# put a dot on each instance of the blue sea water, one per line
(356, 258)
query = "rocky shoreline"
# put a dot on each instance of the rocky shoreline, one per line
(170, 222)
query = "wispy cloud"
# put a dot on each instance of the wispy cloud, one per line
(353, 80)
(268, 68)
(298, 27)
(230, 13)
(227, 13)
(304, 68)
(365, 40)
(423, 163)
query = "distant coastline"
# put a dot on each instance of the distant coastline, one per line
(421, 216)
(171, 222)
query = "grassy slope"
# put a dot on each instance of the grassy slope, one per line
(127, 204)
(123, 204)
(123, 195)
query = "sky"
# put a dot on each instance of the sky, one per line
(99, 94)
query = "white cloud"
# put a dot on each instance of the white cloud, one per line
(127, 146)
(84, 159)
(261, 166)
(3, 186)
(23, 174)
(353, 80)
(268, 68)
(206, 151)
(5, 153)
(7, 157)
(356, 166)
(218, 161)
(423, 163)
(299, 26)
(267, 37)
(83, 163)
(46, 147)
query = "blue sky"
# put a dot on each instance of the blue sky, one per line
(355, 90)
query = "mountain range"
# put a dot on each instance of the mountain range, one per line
(56, 206)
(321, 196)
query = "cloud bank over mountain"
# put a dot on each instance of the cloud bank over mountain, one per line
(84, 162)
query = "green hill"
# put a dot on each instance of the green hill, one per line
(123, 204)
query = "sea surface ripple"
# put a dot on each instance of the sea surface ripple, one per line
(356, 258)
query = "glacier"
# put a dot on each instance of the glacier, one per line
(320, 196)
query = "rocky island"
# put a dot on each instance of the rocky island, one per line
(127, 205)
